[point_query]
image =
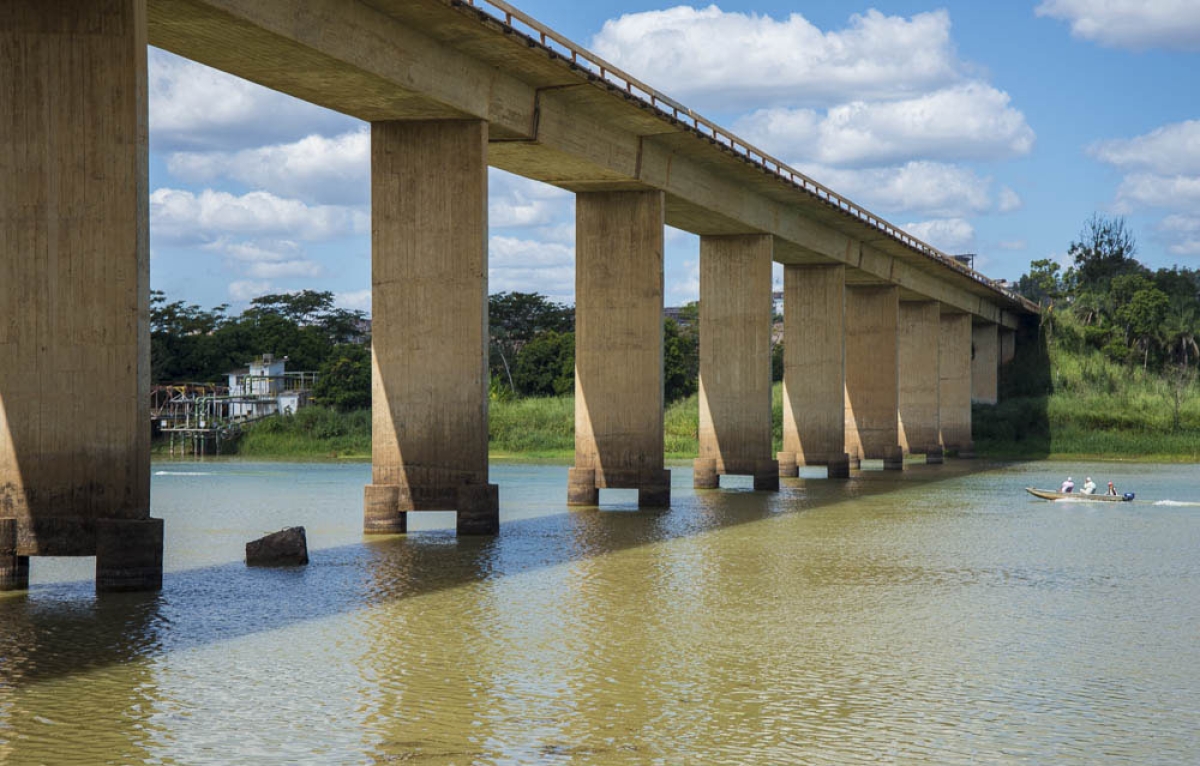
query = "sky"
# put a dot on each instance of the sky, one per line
(992, 128)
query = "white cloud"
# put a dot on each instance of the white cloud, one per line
(1012, 244)
(735, 59)
(1182, 234)
(1168, 150)
(683, 285)
(1133, 24)
(970, 121)
(531, 266)
(247, 290)
(184, 216)
(196, 107)
(515, 202)
(354, 300)
(314, 169)
(1008, 201)
(282, 259)
(950, 235)
(1150, 190)
(925, 188)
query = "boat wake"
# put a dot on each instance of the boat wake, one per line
(182, 473)
(1178, 503)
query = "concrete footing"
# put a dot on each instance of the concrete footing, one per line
(129, 555)
(653, 486)
(788, 467)
(838, 467)
(386, 507)
(933, 456)
(893, 458)
(706, 474)
(14, 569)
(854, 458)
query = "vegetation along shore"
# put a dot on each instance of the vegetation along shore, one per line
(1109, 372)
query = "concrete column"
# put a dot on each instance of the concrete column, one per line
(814, 355)
(74, 276)
(619, 347)
(954, 393)
(430, 340)
(920, 324)
(985, 363)
(735, 360)
(1008, 345)
(872, 367)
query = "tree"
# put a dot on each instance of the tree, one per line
(1105, 249)
(514, 319)
(681, 360)
(344, 380)
(1043, 284)
(545, 366)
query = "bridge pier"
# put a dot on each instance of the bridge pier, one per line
(920, 323)
(872, 373)
(74, 289)
(618, 348)
(954, 388)
(735, 361)
(429, 303)
(814, 358)
(985, 363)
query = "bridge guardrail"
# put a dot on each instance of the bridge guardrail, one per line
(615, 77)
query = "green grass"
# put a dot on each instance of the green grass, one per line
(311, 432)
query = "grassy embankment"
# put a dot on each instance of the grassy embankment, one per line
(526, 428)
(1097, 409)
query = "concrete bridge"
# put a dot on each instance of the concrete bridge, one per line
(887, 339)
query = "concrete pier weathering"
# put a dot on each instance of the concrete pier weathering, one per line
(887, 340)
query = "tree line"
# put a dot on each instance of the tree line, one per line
(531, 345)
(1107, 300)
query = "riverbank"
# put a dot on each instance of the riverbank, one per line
(1096, 413)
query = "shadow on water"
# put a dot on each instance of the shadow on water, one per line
(65, 628)
(1019, 425)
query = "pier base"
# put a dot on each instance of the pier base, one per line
(386, 507)
(838, 467)
(129, 555)
(14, 569)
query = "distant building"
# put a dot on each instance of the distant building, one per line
(266, 388)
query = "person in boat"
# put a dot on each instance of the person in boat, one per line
(1112, 490)
(1068, 486)
(1089, 486)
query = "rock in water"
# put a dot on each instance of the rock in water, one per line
(287, 547)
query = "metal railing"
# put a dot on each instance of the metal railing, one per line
(559, 46)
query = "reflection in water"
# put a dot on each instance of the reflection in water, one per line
(936, 616)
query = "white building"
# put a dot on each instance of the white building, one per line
(266, 388)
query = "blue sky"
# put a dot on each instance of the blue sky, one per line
(993, 128)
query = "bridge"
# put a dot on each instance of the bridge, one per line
(887, 339)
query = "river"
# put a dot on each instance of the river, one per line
(940, 615)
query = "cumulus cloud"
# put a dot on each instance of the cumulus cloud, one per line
(1140, 190)
(244, 290)
(528, 265)
(314, 169)
(514, 201)
(951, 235)
(970, 121)
(354, 300)
(183, 216)
(193, 106)
(1168, 150)
(737, 59)
(1132, 24)
(926, 188)
(1182, 234)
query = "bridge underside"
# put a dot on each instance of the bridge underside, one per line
(448, 92)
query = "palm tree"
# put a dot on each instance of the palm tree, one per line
(1181, 331)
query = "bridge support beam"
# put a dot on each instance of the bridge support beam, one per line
(954, 391)
(985, 363)
(920, 324)
(74, 286)
(735, 361)
(430, 341)
(872, 373)
(814, 357)
(618, 347)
